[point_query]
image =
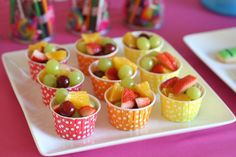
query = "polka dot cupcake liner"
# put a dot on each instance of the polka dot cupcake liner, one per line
(128, 119)
(35, 67)
(134, 54)
(49, 92)
(155, 79)
(75, 128)
(84, 60)
(180, 111)
(100, 85)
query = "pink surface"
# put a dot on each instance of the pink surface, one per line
(181, 17)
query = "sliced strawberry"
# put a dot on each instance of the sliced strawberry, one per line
(171, 59)
(158, 68)
(128, 98)
(112, 74)
(142, 101)
(165, 61)
(128, 104)
(169, 83)
(182, 84)
(93, 48)
(39, 57)
(86, 111)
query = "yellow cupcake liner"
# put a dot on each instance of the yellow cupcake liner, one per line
(128, 119)
(180, 111)
(155, 79)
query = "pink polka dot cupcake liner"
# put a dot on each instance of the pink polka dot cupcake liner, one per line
(49, 92)
(100, 85)
(75, 128)
(35, 67)
(84, 60)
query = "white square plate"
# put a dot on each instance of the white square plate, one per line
(205, 45)
(214, 112)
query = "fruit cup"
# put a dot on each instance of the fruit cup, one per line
(39, 53)
(153, 71)
(102, 83)
(50, 83)
(180, 107)
(124, 117)
(92, 47)
(139, 43)
(75, 127)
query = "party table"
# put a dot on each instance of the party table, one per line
(180, 18)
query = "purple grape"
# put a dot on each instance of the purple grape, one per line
(66, 109)
(63, 82)
(99, 73)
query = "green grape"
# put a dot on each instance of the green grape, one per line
(127, 82)
(75, 78)
(143, 43)
(104, 64)
(147, 63)
(125, 71)
(107, 40)
(49, 48)
(81, 46)
(194, 92)
(61, 95)
(50, 80)
(153, 53)
(52, 67)
(154, 41)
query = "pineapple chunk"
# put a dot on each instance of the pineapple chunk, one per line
(115, 93)
(91, 37)
(57, 55)
(79, 99)
(144, 90)
(118, 62)
(37, 46)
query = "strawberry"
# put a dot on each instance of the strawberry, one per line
(112, 74)
(39, 57)
(128, 98)
(86, 111)
(171, 59)
(158, 68)
(182, 84)
(142, 101)
(169, 83)
(93, 48)
(165, 61)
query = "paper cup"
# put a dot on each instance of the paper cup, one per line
(155, 79)
(128, 119)
(35, 67)
(49, 92)
(75, 128)
(180, 111)
(134, 54)
(100, 85)
(84, 60)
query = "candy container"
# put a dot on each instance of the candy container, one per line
(31, 20)
(88, 16)
(144, 13)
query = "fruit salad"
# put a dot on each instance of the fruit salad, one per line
(73, 104)
(95, 45)
(42, 51)
(58, 75)
(128, 95)
(142, 41)
(159, 63)
(117, 68)
(182, 89)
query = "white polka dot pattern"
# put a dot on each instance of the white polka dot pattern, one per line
(74, 128)
(34, 69)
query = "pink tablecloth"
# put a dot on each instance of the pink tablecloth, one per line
(181, 17)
